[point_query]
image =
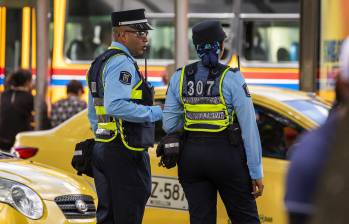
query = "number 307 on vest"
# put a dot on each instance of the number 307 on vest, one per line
(198, 89)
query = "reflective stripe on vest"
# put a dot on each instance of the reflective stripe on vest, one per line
(122, 134)
(106, 125)
(208, 114)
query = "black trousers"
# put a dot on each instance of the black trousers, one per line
(123, 183)
(211, 164)
(298, 218)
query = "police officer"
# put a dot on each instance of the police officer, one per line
(122, 117)
(203, 98)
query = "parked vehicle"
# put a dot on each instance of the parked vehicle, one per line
(36, 193)
(282, 115)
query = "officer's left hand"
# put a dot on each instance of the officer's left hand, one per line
(257, 187)
(160, 150)
(168, 149)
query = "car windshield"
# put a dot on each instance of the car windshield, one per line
(313, 109)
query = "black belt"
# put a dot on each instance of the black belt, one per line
(204, 134)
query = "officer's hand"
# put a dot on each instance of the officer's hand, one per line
(160, 149)
(257, 187)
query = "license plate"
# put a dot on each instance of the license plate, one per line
(167, 193)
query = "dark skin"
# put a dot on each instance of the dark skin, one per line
(129, 37)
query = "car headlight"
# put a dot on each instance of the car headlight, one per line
(21, 197)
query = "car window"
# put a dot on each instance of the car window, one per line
(313, 109)
(277, 133)
(271, 41)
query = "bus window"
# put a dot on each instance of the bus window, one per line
(86, 26)
(162, 38)
(271, 41)
(13, 39)
(86, 29)
(219, 6)
(270, 6)
(83, 35)
(81, 39)
(150, 6)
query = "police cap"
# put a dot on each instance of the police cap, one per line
(134, 18)
(208, 32)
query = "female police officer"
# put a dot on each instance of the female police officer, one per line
(203, 98)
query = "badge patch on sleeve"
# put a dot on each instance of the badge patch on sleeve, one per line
(125, 77)
(247, 92)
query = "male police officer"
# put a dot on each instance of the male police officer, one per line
(122, 117)
(203, 97)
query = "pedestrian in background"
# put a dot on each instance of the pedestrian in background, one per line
(16, 107)
(312, 151)
(65, 108)
(332, 194)
(122, 116)
(211, 101)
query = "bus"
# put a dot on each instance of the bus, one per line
(267, 35)
(334, 29)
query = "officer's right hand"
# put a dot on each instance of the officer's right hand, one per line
(257, 187)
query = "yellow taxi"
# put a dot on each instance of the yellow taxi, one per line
(281, 116)
(35, 193)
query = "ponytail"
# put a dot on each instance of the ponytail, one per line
(209, 53)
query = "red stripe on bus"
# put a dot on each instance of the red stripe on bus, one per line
(247, 75)
(82, 72)
(270, 75)
(68, 72)
(2, 71)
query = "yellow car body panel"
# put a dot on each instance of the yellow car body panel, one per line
(9, 215)
(49, 183)
(56, 148)
(44, 179)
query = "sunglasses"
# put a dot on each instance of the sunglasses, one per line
(139, 34)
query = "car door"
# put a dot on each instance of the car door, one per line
(277, 134)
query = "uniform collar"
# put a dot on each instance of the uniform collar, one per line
(122, 47)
